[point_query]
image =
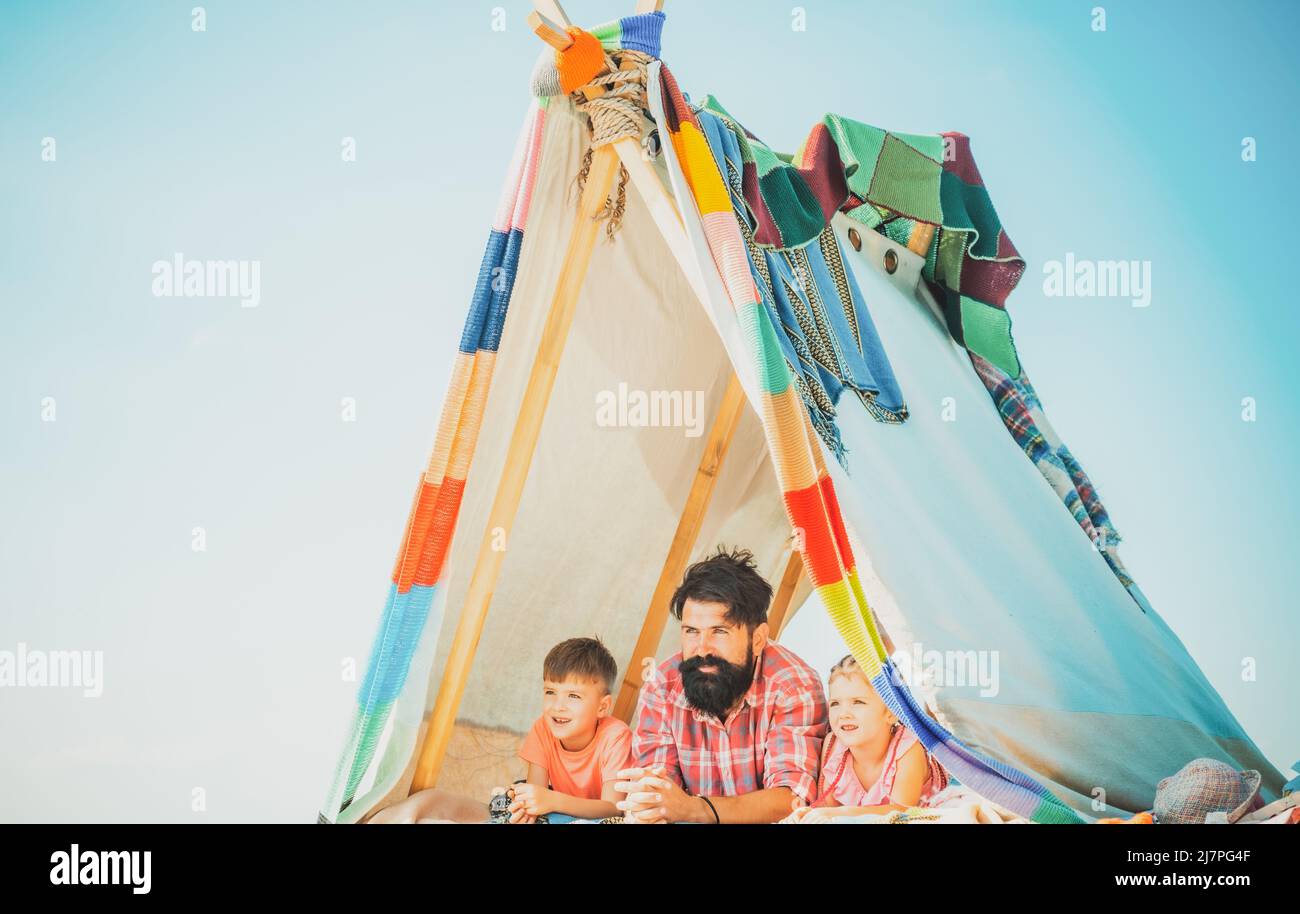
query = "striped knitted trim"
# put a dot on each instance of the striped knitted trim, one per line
(431, 522)
(561, 72)
(1022, 414)
(809, 494)
(922, 190)
(641, 32)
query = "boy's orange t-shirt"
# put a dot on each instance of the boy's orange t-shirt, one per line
(582, 773)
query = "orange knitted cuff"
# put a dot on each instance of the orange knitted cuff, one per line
(580, 61)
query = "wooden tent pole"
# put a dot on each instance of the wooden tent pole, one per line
(779, 614)
(688, 529)
(523, 441)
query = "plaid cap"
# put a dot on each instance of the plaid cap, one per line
(1202, 787)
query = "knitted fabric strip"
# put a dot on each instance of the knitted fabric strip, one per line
(827, 336)
(1022, 414)
(924, 191)
(418, 571)
(812, 506)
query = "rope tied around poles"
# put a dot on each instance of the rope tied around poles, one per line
(614, 102)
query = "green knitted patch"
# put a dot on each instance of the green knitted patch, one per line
(966, 206)
(773, 372)
(1052, 811)
(609, 34)
(929, 145)
(907, 181)
(766, 160)
(859, 148)
(948, 259)
(791, 203)
(987, 331)
(865, 215)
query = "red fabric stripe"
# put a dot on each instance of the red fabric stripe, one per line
(837, 521)
(765, 228)
(825, 177)
(990, 280)
(417, 527)
(434, 554)
(808, 514)
(676, 109)
(961, 163)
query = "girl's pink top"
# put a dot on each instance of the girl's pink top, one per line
(839, 785)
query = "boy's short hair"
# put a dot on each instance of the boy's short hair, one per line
(586, 658)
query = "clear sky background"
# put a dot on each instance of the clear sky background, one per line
(222, 668)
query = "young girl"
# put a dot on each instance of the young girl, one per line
(871, 763)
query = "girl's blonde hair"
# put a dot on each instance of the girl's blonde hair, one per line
(849, 667)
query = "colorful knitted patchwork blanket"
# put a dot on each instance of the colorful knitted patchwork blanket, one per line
(923, 191)
(827, 336)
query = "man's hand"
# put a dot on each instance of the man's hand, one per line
(639, 806)
(653, 798)
(531, 801)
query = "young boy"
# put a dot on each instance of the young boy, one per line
(574, 750)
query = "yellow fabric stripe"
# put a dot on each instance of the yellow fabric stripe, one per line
(710, 192)
(844, 614)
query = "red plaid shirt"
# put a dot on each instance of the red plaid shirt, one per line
(773, 739)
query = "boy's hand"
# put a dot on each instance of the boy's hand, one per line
(532, 800)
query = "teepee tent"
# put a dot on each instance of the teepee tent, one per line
(717, 343)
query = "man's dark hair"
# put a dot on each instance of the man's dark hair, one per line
(730, 577)
(585, 658)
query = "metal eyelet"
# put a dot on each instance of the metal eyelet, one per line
(891, 261)
(650, 146)
(855, 239)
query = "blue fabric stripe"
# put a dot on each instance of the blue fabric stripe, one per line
(992, 779)
(642, 32)
(495, 324)
(399, 634)
(482, 299)
(496, 280)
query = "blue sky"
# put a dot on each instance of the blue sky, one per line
(177, 413)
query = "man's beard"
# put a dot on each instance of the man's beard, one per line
(714, 693)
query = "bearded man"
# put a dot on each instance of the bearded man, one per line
(730, 728)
